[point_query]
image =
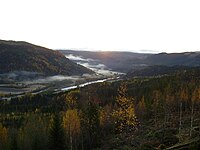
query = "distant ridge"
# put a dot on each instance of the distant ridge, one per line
(23, 56)
(127, 61)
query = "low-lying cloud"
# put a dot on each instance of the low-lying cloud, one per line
(92, 64)
(79, 58)
(55, 78)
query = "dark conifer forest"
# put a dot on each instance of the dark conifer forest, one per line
(159, 112)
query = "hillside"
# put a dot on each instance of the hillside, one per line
(158, 71)
(127, 61)
(186, 59)
(114, 60)
(22, 56)
(139, 113)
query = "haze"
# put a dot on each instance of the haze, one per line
(126, 25)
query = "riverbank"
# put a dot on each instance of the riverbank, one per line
(9, 91)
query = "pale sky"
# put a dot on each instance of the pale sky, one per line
(137, 25)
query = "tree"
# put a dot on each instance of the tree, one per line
(34, 133)
(157, 105)
(72, 126)
(141, 108)
(72, 98)
(106, 120)
(170, 103)
(13, 140)
(3, 137)
(183, 99)
(90, 125)
(125, 113)
(195, 97)
(56, 134)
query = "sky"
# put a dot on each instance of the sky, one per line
(128, 25)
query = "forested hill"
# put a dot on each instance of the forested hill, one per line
(151, 71)
(139, 113)
(128, 61)
(185, 59)
(114, 60)
(23, 56)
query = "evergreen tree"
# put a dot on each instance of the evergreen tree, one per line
(34, 134)
(13, 142)
(91, 126)
(56, 134)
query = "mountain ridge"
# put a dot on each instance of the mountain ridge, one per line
(24, 56)
(127, 61)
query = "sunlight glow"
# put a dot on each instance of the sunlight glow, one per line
(127, 25)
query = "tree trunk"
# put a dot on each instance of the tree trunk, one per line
(180, 119)
(71, 140)
(192, 118)
(82, 141)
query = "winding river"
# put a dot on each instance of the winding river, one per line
(64, 89)
(85, 84)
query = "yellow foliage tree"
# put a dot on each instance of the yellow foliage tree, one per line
(125, 118)
(3, 137)
(71, 99)
(72, 125)
(141, 108)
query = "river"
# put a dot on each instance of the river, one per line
(66, 88)
(85, 84)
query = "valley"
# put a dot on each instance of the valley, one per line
(52, 84)
(129, 61)
(163, 107)
(18, 82)
(99, 100)
(99, 75)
